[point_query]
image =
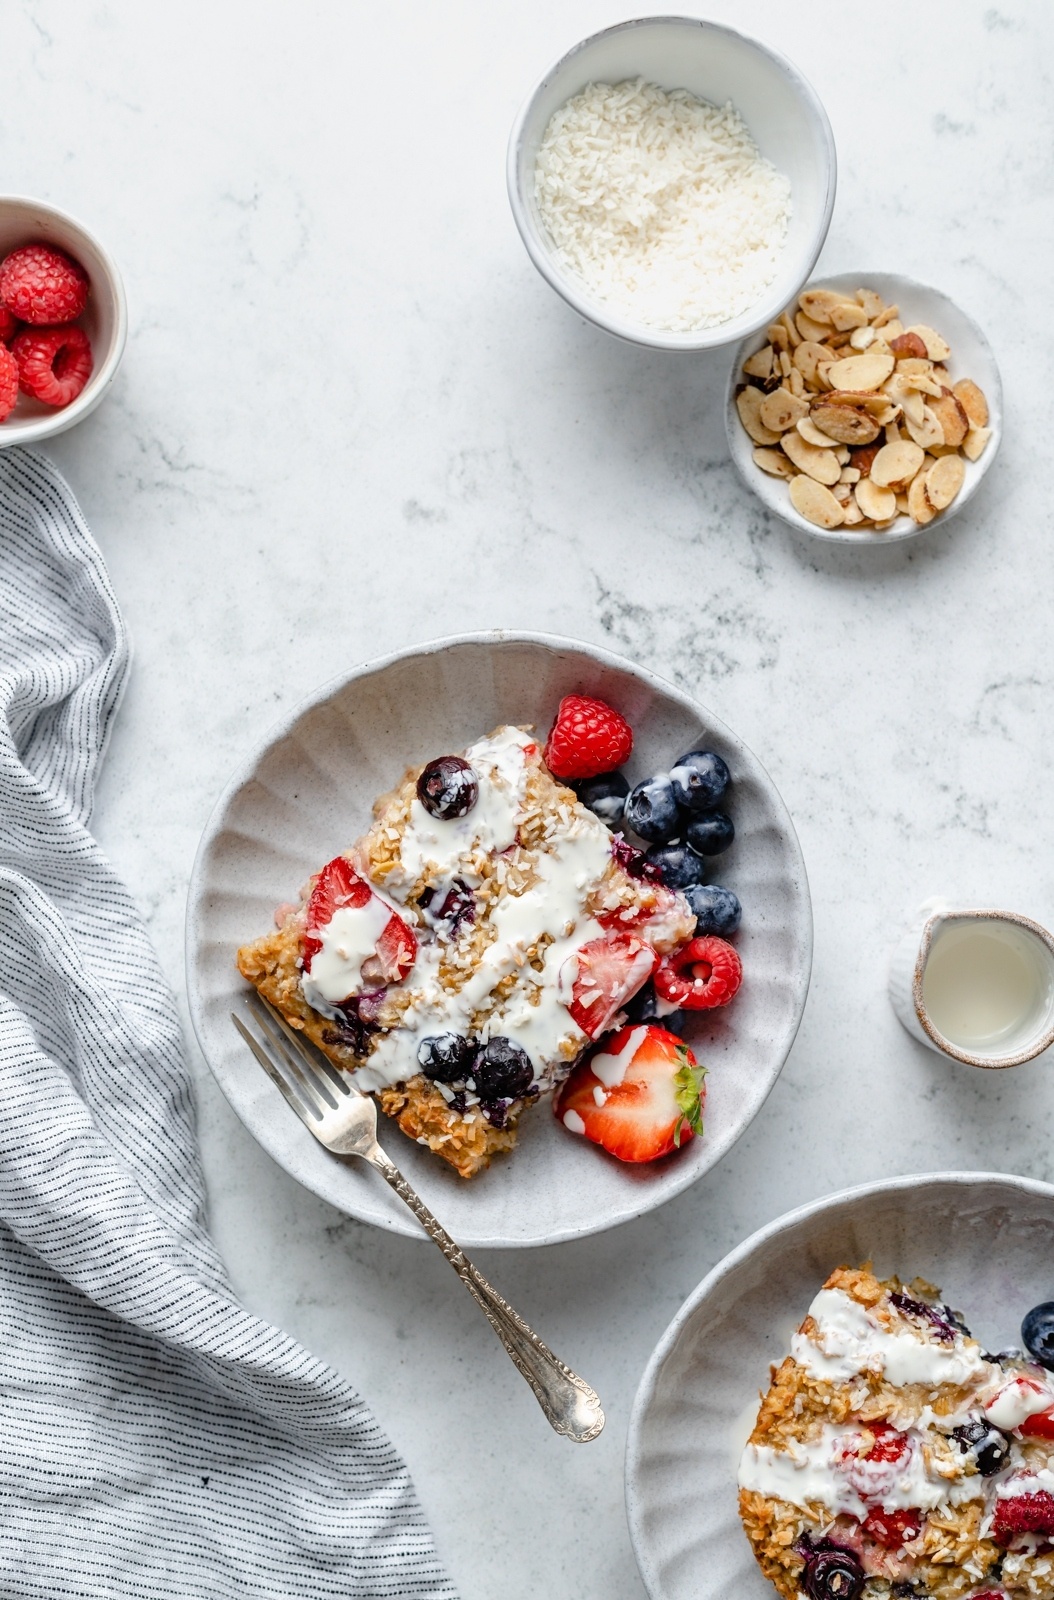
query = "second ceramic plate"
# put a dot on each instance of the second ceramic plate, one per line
(306, 792)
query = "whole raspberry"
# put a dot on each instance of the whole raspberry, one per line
(54, 364)
(42, 285)
(8, 382)
(700, 975)
(586, 739)
(9, 325)
(1023, 1513)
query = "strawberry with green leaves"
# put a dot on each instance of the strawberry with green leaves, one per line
(638, 1094)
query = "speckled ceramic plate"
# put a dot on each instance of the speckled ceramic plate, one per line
(984, 1238)
(306, 792)
(971, 357)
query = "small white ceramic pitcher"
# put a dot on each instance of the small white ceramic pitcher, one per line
(1014, 1042)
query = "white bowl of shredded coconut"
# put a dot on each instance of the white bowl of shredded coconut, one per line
(674, 181)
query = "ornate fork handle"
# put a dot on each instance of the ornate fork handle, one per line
(572, 1407)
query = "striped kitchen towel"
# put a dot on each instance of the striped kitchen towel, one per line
(155, 1439)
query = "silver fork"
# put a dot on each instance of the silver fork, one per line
(345, 1121)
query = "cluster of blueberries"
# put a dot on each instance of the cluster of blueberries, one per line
(678, 815)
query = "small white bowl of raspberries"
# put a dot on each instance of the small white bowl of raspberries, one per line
(63, 321)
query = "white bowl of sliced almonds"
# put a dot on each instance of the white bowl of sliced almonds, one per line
(870, 410)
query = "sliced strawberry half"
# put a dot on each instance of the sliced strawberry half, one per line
(610, 971)
(646, 1101)
(893, 1529)
(339, 885)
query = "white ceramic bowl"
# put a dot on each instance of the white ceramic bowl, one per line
(105, 318)
(780, 108)
(971, 357)
(306, 791)
(984, 1238)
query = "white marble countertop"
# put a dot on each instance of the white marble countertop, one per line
(352, 416)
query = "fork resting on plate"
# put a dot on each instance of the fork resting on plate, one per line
(345, 1121)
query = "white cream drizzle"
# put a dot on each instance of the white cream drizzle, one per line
(820, 1473)
(848, 1341)
(1016, 1401)
(1029, 1482)
(611, 1069)
(348, 939)
(432, 844)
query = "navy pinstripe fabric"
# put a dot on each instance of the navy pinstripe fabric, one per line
(156, 1440)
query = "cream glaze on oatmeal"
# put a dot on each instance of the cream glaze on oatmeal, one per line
(348, 941)
(848, 1341)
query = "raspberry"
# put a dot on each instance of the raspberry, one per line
(54, 364)
(9, 325)
(700, 975)
(1023, 1513)
(890, 1444)
(892, 1529)
(586, 739)
(8, 382)
(42, 285)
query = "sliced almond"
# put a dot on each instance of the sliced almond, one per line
(911, 366)
(955, 424)
(810, 329)
(924, 382)
(848, 315)
(974, 443)
(846, 424)
(815, 503)
(792, 333)
(927, 432)
(808, 354)
(849, 475)
(861, 372)
(780, 410)
(774, 462)
(759, 365)
(872, 400)
(872, 303)
(748, 404)
(877, 503)
(902, 505)
(919, 508)
(812, 434)
(936, 348)
(973, 402)
(776, 334)
(785, 363)
(860, 338)
(943, 481)
(810, 458)
(843, 492)
(795, 382)
(885, 316)
(819, 303)
(823, 374)
(896, 464)
(862, 459)
(893, 433)
(853, 514)
(887, 414)
(908, 344)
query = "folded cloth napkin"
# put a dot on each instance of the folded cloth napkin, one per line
(155, 1439)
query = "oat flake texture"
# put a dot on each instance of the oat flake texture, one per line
(662, 204)
(157, 1440)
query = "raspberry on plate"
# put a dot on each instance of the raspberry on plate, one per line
(700, 975)
(8, 382)
(588, 737)
(41, 285)
(54, 364)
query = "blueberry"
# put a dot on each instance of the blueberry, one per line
(605, 796)
(833, 1575)
(652, 810)
(645, 1007)
(678, 866)
(1037, 1331)
(502, 1071)
(986, 1444)
(716, 910)
(710, 833)
(699, 780)
(446, 1057)
(448, 788)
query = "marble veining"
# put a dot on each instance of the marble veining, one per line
(352, 416)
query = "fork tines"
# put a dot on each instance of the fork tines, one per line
(310, 1083)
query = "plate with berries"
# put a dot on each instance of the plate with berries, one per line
(599, 909)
